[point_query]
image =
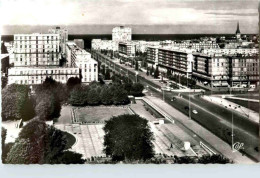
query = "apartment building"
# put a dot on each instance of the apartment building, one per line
(223, 70)
(80, 58)
(37, 75)
(36, 50)
(215, 70)
(98, 44)
(63, 34)
(126, 49)
(37, 56)
(121, 34)
(177, 61)
(152, 55)
(234, 51)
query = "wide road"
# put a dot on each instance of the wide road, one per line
(211, 116)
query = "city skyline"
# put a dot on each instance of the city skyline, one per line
(145, 17)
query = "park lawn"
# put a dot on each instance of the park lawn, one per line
(247, 104)
(99, 114)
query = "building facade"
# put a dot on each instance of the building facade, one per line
(36, 50)
(126, 49)
(37, 75)
(121, 34)
(63, 34)
(80, 58)
(223, 70)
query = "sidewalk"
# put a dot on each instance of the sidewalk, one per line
(199, 131)
(218, 99)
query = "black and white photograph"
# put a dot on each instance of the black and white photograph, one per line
(129, 82)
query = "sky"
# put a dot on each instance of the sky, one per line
(144, 16)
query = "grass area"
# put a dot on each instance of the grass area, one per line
(71, 140)
(99, 114)
(247, 104)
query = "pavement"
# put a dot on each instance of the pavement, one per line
(201, 133)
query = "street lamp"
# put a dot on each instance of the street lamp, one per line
(136, 73)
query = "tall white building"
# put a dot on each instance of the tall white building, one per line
(37, 56)
(80, 58)
(36, 50)
(63, 33)
(122, 34)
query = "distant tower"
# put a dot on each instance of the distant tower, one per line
(238, 34)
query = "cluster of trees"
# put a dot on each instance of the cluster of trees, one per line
(135, 89)
(105, 72)
(154, 72)
(96, 94)
(183, 80)
(205, 159)
(128, 138)
(39, 143)
(16, 103)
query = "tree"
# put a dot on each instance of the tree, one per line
(137, 89)
(128, 138)
(156, 73)
(72, 82)
(39, 143)
(3, 137)
(120, 96)
(20, 153)
(47, 106)
(15, 98)
(168, 73)
(106, 96)
(93, 97)
(107, 75)
(78, 96)
(70, 157)
(152, 70)
(136, 65)
(213, 159)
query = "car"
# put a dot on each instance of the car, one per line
(195, 111)
(173, 99)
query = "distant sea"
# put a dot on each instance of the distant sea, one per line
(147, 37)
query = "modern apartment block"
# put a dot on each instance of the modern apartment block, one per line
(213, 70)
(121, 34)
(126, 49)
(223, 70)
(80, 58)
(37, 75)
(63, 33)
(176, 61)
(36, 50)
(152, 55)
(37, 56)
(234, 51)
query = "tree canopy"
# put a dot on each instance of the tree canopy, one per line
(128, 138)
(39, 143)
(16, 103)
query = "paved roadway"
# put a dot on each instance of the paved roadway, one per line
(211, 116)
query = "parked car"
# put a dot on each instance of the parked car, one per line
(173, 99)
(195, 111)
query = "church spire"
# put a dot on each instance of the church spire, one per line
(238, 31)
